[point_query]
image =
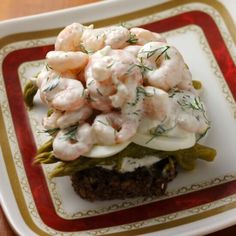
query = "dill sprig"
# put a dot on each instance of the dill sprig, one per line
(52, 84)
(195, 104)
(187, 103)
(83, 49)
(102, 122)
(160, 130)
(141, 66)
(167, 57)
(48, 67)
(132, 39)
(124, 24)
(173, 92)
(37, 74)
(51, 132)
(71, 132)
(136, 112)
(150, 53)
(203, 134)
(91, 82)
(140, 94)
(132, 66)
(99, 92)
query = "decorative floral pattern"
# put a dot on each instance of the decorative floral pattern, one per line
(36, 127)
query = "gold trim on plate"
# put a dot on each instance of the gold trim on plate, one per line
(8, 159)
(114, 20)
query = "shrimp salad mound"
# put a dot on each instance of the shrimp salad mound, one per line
(123, 111)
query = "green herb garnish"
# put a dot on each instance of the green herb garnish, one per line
(140, 94)
(203, 134)
(102, 122)
(195, 104)
(160, 130)
(132, 39)
(186, 158)
(51, 132)
(52, 84)
(83, 49)
(48, 67)
(70, 133)
(167, 57)
(99, 92)
(150, 53)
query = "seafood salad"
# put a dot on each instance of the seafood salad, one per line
(112, 89)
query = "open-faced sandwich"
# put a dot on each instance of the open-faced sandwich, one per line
(123, 112)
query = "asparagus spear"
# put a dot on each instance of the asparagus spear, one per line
(29, 92)
(186, 158)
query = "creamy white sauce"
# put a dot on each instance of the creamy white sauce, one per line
(107, 167)
(168, 116)
(130, 164)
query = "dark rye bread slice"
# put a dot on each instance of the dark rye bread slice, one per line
(98, 183)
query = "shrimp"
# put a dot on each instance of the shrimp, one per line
(70, 118)
(164, 65)
(47, 82)
(67, 61)
(133, 49)
(189, 111)
(99, 94)
(41, 77)
(98, 79)
(191, 123)
(116, 37)
(69, 144)
(121, 95)
(50, 122)
(144, 36)
(132, 110)
(126, 91)
(186, 83)
(112, 73)
(63, 93)
(69, 38)
(99, 69)
(62, 120)
(112, 128)
(71, 98)
(157, 103)
(92, 40)
(131, 113)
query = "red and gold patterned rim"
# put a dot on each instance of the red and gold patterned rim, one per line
(27, 145)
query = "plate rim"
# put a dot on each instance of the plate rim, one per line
(61, 12)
